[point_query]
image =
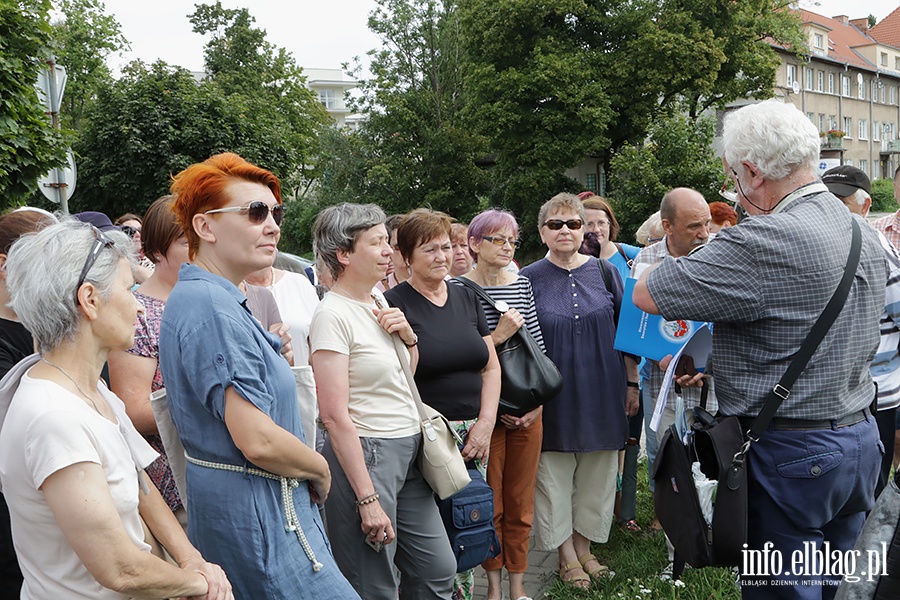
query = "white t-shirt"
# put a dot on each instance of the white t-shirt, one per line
(380, 404)
(48, 429)
(297, 300)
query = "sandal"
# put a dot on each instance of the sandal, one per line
(601, 570)
(631, 525)
(569, 574)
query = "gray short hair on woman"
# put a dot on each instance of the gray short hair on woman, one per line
(42, 272)
(774, 136)
(560, 202)
(338, 227)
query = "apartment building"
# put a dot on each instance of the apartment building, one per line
(329, 85)
(849, 87)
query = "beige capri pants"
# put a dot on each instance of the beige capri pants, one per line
(574, 492)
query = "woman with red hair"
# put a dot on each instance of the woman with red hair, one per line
(252, 481)
(722, 216)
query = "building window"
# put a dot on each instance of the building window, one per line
(326, 97)
(864, 166)
(831, 83)
(791, 75)
(821, 81)
(590, 182)
(876, 131)
(809, 79)
(832, 122)
(818, 41)
(893, 95)
(863, 129)
(845, 86)
(812, 118)
(821, 122)
(883, 92)
(884, 59)
(861, 90)
(848, 126)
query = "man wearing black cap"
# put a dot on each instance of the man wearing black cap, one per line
(852, 187)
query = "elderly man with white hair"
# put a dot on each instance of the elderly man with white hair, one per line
(853, 188)
(764, 283)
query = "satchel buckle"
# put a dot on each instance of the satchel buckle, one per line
(428, 430)
(781, 391)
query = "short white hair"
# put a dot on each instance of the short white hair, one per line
(774, 136)
(43, 270)
(860, 196)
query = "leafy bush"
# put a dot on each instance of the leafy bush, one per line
(883, 196)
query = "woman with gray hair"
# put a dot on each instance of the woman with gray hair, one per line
(586, 424)
(373, 427)
(71, 462)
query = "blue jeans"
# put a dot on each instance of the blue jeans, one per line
(807, 488)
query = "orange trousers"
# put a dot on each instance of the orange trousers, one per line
(512, 473)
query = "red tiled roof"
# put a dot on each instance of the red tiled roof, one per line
(887, 30)
(841, 39)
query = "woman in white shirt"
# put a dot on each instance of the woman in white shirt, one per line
(71, 462)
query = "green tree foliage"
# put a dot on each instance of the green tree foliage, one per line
(157, 120)
(538, 93)
(414, 149)
(678, 152)
(553, 83)
(29, 147)
(83, 39)
(883, 196)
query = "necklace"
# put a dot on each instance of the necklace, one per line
(345, 292)
(75, 383)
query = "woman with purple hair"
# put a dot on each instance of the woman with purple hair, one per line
(516, 441)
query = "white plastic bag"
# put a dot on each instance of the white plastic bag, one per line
(706, 492)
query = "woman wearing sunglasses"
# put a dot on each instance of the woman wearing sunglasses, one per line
(71, 462)
(251, 480)
(493, 237)
(586, 425)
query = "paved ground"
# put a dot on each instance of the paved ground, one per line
(541, 570)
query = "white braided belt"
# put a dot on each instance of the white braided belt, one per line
(287, 500)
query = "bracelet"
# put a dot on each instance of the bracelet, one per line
(415, 342)
(633, 384)
(368, 499)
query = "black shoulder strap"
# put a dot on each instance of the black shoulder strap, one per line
(607, 281)
(782, 389)
(628, 261)
(477, 289)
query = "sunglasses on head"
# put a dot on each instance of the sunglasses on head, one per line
(257, 211)
(557, 224)
(101, 241)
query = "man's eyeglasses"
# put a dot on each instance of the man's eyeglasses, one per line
(556, 224)
(257, 211)
(499, 241)
(100, 242)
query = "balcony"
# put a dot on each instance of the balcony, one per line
(890, 147)
(832, 142)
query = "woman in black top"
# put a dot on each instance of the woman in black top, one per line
(458, 372)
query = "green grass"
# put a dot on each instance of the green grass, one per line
(638, 559)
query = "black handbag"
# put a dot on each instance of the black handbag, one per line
(528, 378)
(721, 446)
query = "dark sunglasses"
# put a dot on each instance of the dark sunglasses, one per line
(129, 230)
(556, 224)
(100, 242)
(257, 211)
